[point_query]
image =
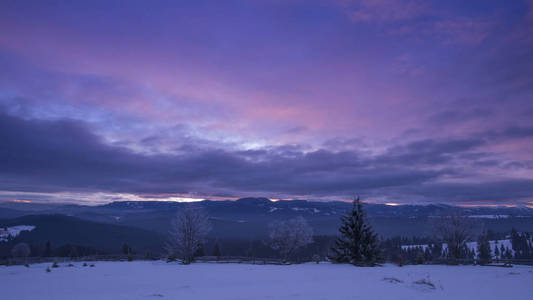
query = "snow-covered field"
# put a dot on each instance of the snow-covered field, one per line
(159, 280)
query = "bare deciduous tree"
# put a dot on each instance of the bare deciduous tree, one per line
(21, 250)
(454, 230)
(188, 231)
(287, 236)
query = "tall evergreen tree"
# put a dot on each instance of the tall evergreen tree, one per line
(521, 243)
(357, 243)
(508, 253)
(216, 250)
(47, 249)
(126, 250)
(484, 253)
(73, 252)
(436, 251)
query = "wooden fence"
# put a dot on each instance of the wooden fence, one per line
(240, 260)
(203, 259)
(38, 260)
(469, 261)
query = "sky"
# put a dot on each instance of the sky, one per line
(398, 101)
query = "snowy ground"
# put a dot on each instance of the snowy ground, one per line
(159, 280)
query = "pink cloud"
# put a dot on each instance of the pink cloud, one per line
(463, 30)
(449, 30)
(383, 10)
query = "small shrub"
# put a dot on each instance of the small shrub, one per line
(55, 265)
(70, 265)
(84, 264)
(48, 270)
(130, 258)
(91, 265)
(26, 265)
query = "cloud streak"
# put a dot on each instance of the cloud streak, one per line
(64, 155)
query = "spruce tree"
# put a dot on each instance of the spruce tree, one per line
(47, 249)
(73, 252)
(508, 253)
(216, 250)
(484, 253)
(126, 249)
(357, 243)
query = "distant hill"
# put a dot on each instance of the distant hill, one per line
(248, 218)
(8, 213)
(63, 230)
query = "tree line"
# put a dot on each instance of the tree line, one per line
(356, 242)
(293, 240)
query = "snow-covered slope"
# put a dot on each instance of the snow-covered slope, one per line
(13, 231)
(159, 280)
(489, 216)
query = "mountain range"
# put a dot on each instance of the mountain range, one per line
(145, 224)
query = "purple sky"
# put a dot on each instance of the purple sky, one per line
(398, 101)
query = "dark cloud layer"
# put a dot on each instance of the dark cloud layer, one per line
(64, 155)
(398, 101)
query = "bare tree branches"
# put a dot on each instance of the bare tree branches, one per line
(454, 230)
(187, 233)
(287, 236)
(21, 250)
